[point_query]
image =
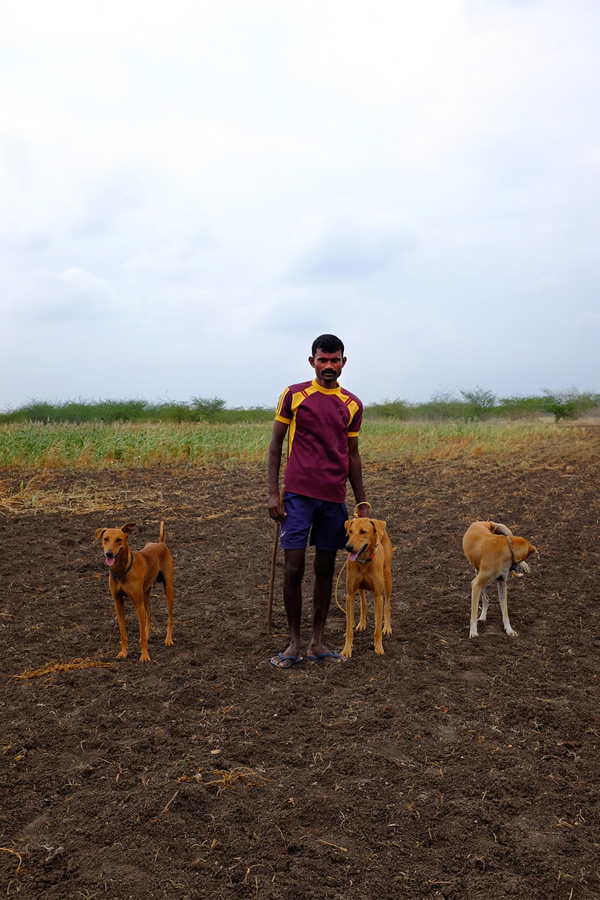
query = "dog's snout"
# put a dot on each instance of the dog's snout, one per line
(109, 554)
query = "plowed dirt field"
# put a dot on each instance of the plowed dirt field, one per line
(449, 767)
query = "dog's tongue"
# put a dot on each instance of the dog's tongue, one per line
(354, 556)
(109, 560)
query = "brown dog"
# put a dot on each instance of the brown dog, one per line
(369, 569)
(493, 552)
(132, 574)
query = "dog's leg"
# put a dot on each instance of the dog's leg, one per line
(142, 613)
(169, 596)
(362, 622)
(347, 651)
(476, 589)
(504, 607)
(120, 611)
(387, 618)
(147, 614)
(484, 605)
(170, 599)
(378, 603)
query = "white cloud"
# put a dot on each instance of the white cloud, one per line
(421, 178)
(67, 297)
(541, 284)
(586, 322)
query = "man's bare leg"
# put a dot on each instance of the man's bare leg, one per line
(324, 571)
(294, 562)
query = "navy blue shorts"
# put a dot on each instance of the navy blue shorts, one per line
(323, 519)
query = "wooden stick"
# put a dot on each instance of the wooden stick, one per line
(273, 564)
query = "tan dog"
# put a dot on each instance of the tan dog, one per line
(132, 574)
(493, 552)
(369, 569)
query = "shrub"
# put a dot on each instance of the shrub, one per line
(207, 409)
(443, 406)
(389, 409)
(568, 404)
(520, 407)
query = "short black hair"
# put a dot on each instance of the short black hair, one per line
(327, 342)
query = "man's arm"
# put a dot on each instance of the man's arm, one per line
(276, 510)
(355, 477)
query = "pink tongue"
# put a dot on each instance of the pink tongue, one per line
(353, 556)
(109, 560)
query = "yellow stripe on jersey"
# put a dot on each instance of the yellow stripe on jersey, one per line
(278, 415)
(353, 407)
(297, 399)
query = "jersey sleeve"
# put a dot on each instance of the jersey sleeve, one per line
(283, 413)
(355, 423)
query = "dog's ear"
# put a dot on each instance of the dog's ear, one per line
(99, 533)
(523, 548)
(380, 526)
(128, 528)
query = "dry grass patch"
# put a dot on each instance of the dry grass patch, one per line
(223, 779)
(39, 494)
(55, 668)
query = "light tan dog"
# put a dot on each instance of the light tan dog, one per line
(493, 552)
(132, 574)
(369, 569)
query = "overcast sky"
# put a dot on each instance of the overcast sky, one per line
(192, 191)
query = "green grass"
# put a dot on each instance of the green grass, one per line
(97, 446)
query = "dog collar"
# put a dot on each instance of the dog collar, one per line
(369, 558)
(512, 553)
(123, 574)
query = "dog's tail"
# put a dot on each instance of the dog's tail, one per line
(161, 536)
(501, 529)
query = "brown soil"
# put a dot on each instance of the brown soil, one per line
(447, 768)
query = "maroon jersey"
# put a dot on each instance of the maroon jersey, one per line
(320, 422)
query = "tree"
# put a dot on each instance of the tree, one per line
(480, 403)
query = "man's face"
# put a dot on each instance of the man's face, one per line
(328, 367)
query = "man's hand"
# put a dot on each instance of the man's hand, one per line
(276, 507)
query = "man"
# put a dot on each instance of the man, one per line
(324, 422)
